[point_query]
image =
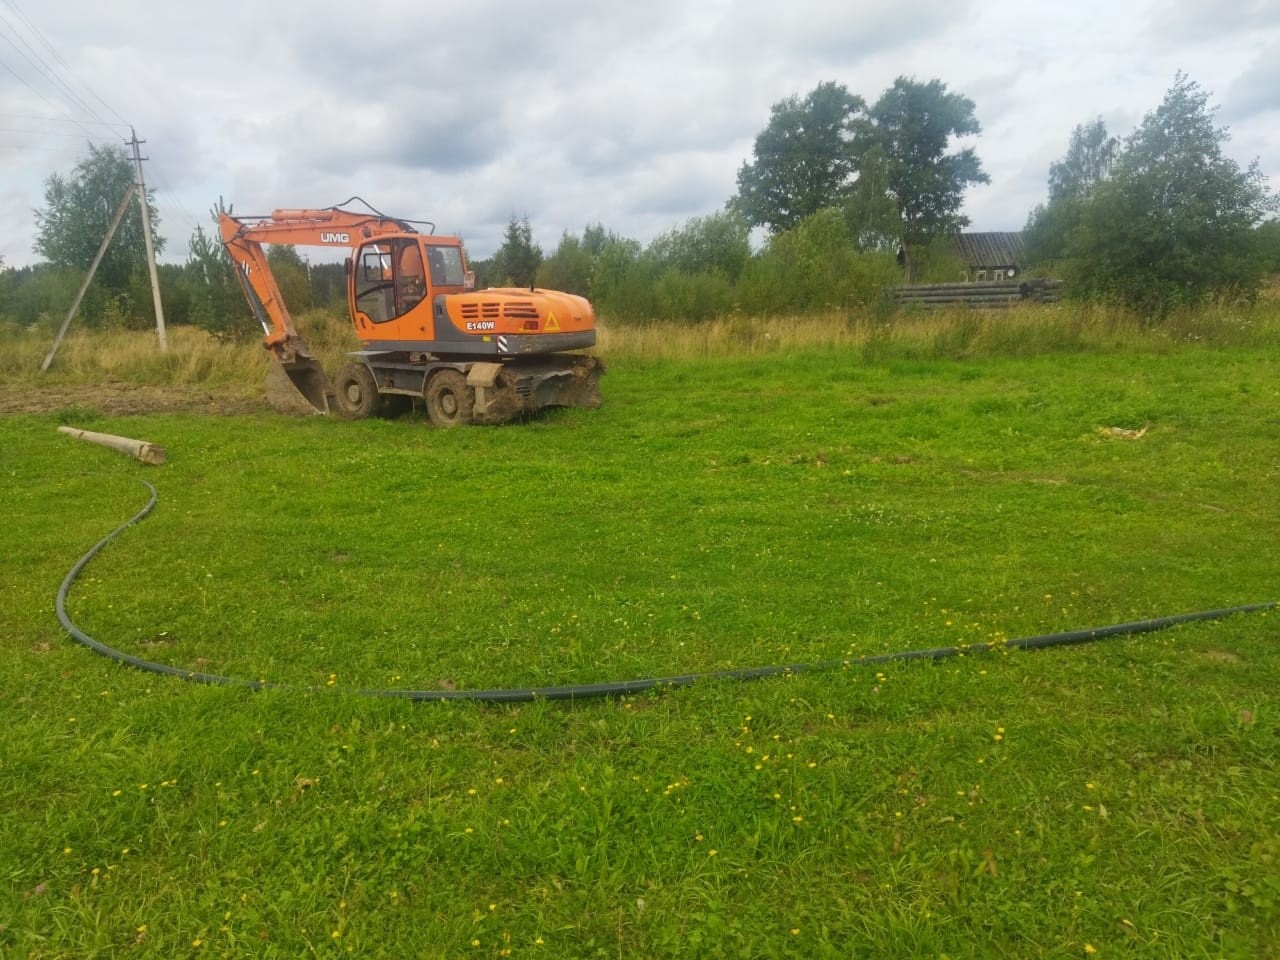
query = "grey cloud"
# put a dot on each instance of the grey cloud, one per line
(1257, 90)
(1197, 21)
(832, 34)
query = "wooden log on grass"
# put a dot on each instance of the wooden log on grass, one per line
(138, 449)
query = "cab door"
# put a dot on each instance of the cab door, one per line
(389, 281)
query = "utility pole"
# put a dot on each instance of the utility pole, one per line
(146, 236)
(88, 277)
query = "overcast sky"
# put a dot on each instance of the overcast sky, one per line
(633, 115)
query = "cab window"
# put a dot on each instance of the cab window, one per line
(446, 266)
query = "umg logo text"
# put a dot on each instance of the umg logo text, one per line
(335, 238)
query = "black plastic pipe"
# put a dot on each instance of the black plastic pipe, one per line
(622, 687)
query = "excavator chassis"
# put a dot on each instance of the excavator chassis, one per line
(463, 391)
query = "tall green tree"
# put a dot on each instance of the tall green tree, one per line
(1269, 242)
(872, 214)
(618, 277)
(216, 301)
(517, 259)
(802, 161)
(719, 242)
(1090, 157)
(1175, 222)
(568, 268)
(572, 266)
(78, 210)
(292, 276)
(894, 169)
(914, 125)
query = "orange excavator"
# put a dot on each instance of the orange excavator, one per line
(472, 356)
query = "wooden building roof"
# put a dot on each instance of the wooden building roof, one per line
(991, 249)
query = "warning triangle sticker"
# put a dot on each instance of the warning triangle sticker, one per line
(552, 323)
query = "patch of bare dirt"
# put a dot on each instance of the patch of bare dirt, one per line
(115, 397)
(282, 396)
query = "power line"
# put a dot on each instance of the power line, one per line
(22, 80)
(30, 116)
(44, 42)
(164, 190)
(13, 5)
(43, 68)
(42, 133)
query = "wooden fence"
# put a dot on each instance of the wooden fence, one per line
(994, 293)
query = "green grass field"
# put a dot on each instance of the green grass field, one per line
(1120, 799)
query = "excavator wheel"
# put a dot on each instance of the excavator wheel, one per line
(449, 400)
(355, 392)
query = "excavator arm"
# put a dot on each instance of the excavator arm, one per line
(243, 237)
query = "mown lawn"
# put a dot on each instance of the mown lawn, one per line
(1119, 799)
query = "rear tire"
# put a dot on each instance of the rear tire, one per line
(449, 400)
(355, 391)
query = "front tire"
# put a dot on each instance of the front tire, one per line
(449, 400)
(355, 391)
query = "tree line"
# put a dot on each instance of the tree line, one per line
(851, 198)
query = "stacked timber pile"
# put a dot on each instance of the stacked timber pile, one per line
(983, 293)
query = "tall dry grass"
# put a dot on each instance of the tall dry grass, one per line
(195, 357)
(957, 333)
(86, 356)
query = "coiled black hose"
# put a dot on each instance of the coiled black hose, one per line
(622, 687)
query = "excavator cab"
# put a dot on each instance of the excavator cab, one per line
(391, 277)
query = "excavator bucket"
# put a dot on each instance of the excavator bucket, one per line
(309, 377)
